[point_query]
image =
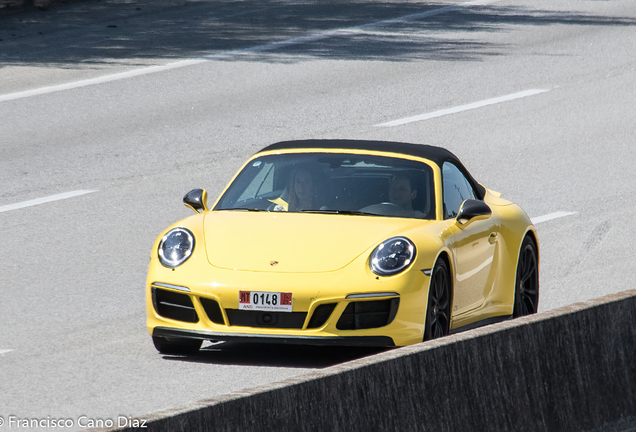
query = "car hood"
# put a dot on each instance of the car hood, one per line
(293, 242)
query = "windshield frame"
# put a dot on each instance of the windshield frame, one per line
(431, 171)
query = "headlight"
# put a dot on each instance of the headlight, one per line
(176, 247)
(392, 256)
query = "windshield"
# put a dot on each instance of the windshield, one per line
(333, 183)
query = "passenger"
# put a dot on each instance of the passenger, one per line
(301, 193)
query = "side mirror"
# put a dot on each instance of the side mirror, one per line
(197, 200)
(472, 209)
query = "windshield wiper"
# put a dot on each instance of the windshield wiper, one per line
(325, 211)
(347, 212)
(244, 209)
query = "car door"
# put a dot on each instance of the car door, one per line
(473, 245)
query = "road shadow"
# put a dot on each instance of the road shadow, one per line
(275, 355)
(95, 32)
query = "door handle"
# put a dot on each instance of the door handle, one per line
(493, 238)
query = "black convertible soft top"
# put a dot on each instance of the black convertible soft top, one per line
(438, 155)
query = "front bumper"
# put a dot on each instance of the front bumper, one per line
(344, 307)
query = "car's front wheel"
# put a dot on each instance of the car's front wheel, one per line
(527, 285)
(439, 303)
(176, 346)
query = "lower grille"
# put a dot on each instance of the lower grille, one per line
(213, 310)
(174, 306)
(283, 320)
(321, 315)
(368, 314)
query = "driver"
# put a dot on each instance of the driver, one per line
(402, 193)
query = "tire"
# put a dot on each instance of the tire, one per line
(527, 283)
(438, 315)
(176, 346)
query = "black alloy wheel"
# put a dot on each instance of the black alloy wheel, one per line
(438, 311)
(176, 346)
(527, 286)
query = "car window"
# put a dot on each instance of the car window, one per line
(333, 183)
(456, 189)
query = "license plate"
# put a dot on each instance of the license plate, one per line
(265, 301)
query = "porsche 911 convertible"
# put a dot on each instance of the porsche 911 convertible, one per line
(339, 242)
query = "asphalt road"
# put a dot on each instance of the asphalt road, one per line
(234, 76)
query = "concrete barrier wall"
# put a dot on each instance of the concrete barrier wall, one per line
(571, 369)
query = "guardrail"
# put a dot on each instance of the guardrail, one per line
(570, 369)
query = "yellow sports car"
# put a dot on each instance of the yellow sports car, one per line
(338, 242)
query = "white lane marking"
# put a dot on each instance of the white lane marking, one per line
(4, 351)
(555, 215)
(246, 51)
(461, 108)
(99, 80)
(51, 198)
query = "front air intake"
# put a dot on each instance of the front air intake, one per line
(172, 305)
(368, 314)
(213, 310)
(321, 315)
